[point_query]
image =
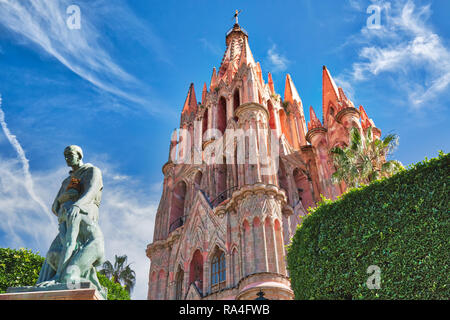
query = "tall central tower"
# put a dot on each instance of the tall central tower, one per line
(242, 170)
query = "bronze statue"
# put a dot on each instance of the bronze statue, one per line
(79, 247)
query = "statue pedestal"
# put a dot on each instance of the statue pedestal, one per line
(86, 291)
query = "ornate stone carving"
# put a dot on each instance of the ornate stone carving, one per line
(252, 111)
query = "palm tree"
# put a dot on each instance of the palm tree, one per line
(364, 160)
(120, 273)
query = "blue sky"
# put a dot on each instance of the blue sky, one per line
(116, 87)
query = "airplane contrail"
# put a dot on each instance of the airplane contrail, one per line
(25, 163)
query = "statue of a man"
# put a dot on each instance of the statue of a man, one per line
(79, 246)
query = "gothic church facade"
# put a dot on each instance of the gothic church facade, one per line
(222, 225)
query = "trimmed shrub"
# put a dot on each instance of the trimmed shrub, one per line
(399, 224)
(18, 268)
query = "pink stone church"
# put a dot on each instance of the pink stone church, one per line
(225, 215)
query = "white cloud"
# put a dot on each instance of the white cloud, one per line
(127, 219)
(346, 85)
(404, 45)
(28, 180)
(23, 222)
(355, 4)
(43, 25)
(277, 61)
(213, 48)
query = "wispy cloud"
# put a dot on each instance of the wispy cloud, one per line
(403, 46)
(355, 4)
(44, 25)
(127, 216)
(23, 222)
(211, 47)
(277, 61)
(28, 180)
(345, 84)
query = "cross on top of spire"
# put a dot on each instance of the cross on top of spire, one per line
(236, 27)
(236, 15)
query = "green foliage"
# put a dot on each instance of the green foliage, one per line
(120, 272)
(286, 106)
(115, 290)
(363, 161)
(18, 268)
(400, 224)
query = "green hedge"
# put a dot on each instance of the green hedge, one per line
(19, 268)
(400, 224)
(115, 290)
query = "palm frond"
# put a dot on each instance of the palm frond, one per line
(120, 272)
(355, 139)
(364, 160)
(391, 167)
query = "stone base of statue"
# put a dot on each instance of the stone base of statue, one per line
(83, 291)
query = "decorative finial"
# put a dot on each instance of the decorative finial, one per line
(237, 13)
(260, 295)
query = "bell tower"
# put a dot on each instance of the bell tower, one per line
(243, 170)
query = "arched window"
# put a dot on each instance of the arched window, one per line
(218, 271)
(196, 270)
(282, 179)
(177, 206)
(222, 181)
(236, 101)
(179, 284)
(222, 115)
(235, 266)
(205, 123)
(303, 188)
(198, 180)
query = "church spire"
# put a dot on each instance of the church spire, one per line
(314, 122)
(270, 82)
(204, 92)
(259, 73)
(330, 94)
(235, 31)
(328, 84)
(190, 105)
(290, 92)
(213, 82)
(365, 120)
(236, 54)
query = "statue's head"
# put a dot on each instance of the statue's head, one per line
(73, 155)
